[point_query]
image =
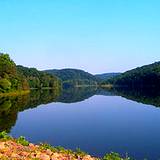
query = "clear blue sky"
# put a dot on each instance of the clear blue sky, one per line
(95, 35)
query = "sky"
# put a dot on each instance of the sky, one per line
(94, 35)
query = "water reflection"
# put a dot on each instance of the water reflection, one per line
(150, 96)
(10, 106)
(72, 95)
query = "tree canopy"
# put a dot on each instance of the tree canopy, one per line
(74, 77)
(145, 76)
(14, 78)
(10, 79)
(39, 79)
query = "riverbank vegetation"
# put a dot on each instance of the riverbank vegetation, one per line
(10, 79)
(19, 80)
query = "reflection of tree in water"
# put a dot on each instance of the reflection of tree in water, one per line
(149, 96)
(38, 97)
(10, 106)
(78, 94)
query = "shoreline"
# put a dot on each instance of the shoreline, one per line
(21, 149)
(15, 93)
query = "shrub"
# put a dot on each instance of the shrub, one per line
(80, 153)
(48, 146)
(114, 156)
(23, 141)
(4, 135)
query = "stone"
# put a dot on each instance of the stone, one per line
(44, 157)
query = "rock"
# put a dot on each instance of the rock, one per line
(54, 157)
(44, 157)
(14, 151)
(1, 155)
(14, 155)
(49, 152)
(32, 146)
(33, 155)
(2, 145)
(25, 154)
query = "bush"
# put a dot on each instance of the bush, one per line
(4, 135)
(21, 140)
(114, 156)
(48, 146)
(80, 153)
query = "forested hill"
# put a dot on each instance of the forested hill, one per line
(106, 76)
(18, 78)
(39, 79)
(74, 77)
(10, 79)
(148, 75)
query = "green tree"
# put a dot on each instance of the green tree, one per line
(10, 79)
(7, 66)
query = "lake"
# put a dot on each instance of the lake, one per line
(96, 120)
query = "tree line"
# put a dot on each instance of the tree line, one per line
(16, 78)
(145, 76)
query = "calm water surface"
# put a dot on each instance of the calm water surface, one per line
(97, 122)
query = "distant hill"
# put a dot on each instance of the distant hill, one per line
(72, 77)
(148, 75)
(105, 76)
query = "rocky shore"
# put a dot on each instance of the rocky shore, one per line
(21, 149)
(12, 150)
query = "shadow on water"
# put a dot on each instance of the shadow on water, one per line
(10, 106)
(72, 95)
(150, 96)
